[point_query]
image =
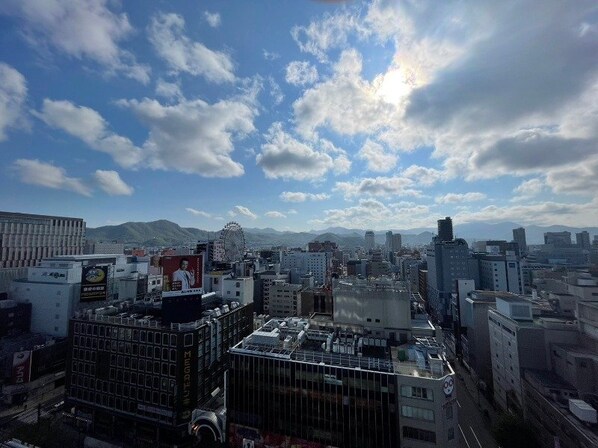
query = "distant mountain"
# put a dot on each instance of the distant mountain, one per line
(167, 233)
(155, 233)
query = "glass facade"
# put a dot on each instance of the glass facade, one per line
(324, 404)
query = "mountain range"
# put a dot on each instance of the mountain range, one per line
(166, 233)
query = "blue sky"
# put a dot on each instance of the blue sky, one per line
(300, 114)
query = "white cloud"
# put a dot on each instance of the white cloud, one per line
(243, 211)
(423, 175)
(270, 56)
(196, 212)
(89, 126)
(529, 188)
(168, 90)
(275, 214)
(298, 196)
(111, 183)
(452, 198)
(378, 186)
(371, 213)
(301, 73)
(377, 158)
(275, 91)
(35, 172)
(283, 156)
(547, 213)
(83, 29)
(166, 33)
(345, 103)
(194, 136)
(333, 31)
(292, 211)
(13, 92)
(213, 19)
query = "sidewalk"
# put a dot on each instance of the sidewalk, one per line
(476, 395)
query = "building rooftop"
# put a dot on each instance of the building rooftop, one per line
(148, 315)
(491, 295)
(549, 381)
(300, 340)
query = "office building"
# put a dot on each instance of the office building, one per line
(448, 261)
(370, 240)
(265, 282)
(519, 342)
(316, 263)
(322, 246)
(291, 382)
(519, 238)
(381, 306)
(583, 240)
(15, 318)
(388, 245)
(560, 405)
(285, 299)
(558, 239)
(445, 229)
(316, 300)
(137, 378)
(54, 288)
(500, 273)
(240, 289)
(27, 239)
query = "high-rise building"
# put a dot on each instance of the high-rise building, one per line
(316, 263)
(308, 386)
(370, 241)
(583, 240)
(448, 261)
(518, 342)
(388, 246)
(397, 244)
(500, 273)
(138, 377)
(558, 239)
(519, 238)
(26, 239)
(445, 229)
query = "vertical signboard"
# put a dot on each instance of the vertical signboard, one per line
(187, 378)
(182, 272)
(21, 367)
(94, 283)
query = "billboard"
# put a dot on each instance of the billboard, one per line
(94, 283)
(182, 272)
(21, 367)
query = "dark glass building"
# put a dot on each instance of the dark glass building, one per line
(136, 379)
(445, 229)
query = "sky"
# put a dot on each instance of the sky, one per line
(300, 114)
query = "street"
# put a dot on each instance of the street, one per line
(474, 427)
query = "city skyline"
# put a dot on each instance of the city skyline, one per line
(300, 115)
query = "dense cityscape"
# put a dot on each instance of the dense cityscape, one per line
(299, 224)
(213, 343)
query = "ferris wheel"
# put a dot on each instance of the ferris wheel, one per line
(232, 241)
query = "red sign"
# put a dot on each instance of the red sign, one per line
(21, 367)
(182, 272)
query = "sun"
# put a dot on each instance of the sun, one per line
(394, 85)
